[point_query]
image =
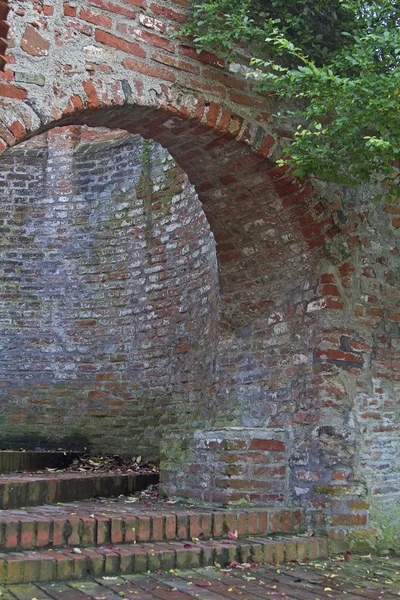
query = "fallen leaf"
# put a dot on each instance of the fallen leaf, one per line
(311, 533)
(347, 556)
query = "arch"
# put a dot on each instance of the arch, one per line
(243, 194)
(119, 67)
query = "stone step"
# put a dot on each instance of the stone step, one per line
(15, 461)
(18, 491)
(105, 522)
(67, 564)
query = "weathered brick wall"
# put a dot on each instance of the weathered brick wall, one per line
(3, 32)
(308, 338)
(109, 284)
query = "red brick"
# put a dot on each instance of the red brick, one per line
(330, 290)
(59, 531)
(11, 534)
(119, 44)
(218, 524)
(117, 530)
(143, 528)
(268, 471)
(252, 523)
(247, 100)
(333, 354)
(168, 13)
(17, 129)
(130, 529)
(262, 444)
(157, 528)
(32, 567)
(12, 91)
(93, 102)
(204, 57)
(332, 303)
(194, 525)
(170, 527)
(224, 78)
(33, 43)
(157, 41)
(265, 148)
(103, 530)
(349, 520)
(43, 533)
(69, 11)
(206, 525)
(73, 531)
(14, 570)
(27, 535)
(95, 18)
(286, 521)
(88, 531)
(151, 71)
(114, 8)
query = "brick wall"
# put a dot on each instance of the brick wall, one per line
(3, 32)
(308, 323)
(109, 284)
(236, 464)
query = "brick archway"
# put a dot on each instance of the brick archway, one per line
(310, 306)
(116, 65)
(261, 216)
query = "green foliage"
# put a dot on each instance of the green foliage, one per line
(339, 64)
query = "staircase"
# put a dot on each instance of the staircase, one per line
(66, 536)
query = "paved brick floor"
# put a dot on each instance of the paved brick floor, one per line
(360, 578)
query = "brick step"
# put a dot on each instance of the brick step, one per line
(67, 565)
(31, 490)
(14, 461)
(121, 521)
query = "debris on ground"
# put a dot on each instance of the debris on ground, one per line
(109, 464)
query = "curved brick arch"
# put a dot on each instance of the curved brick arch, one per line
(261, 216)
(245, 197)
(115, 64)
